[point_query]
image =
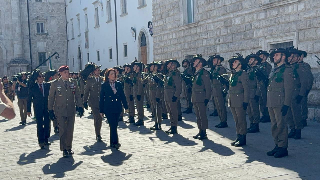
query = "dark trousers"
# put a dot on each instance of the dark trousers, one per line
(113, 124)
(66, 127)
(22, 103)
(43, 126)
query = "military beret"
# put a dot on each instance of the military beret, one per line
(63, 68)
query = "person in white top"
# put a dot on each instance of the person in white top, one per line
(6, 106)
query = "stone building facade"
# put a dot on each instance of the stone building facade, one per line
(47, 34)
(186, 27)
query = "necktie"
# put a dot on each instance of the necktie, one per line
(66, 84)
(41, 89)
(96, 79)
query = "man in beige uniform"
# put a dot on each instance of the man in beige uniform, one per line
(279, 98)
(187, 84)
(239, 97)
(138, 91)
(64, 95)
(128, 90)
(262, 85)
(201, 93)
(152, 85)
(92, 95)
(220, 85)
(172, 91)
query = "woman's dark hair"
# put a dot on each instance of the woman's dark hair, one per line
(4, 77)
(106, 74)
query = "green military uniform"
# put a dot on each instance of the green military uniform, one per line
(262, 90)
(63, 98)
(92, 96)
(172, 91)
(138, 96)
(128, 91)
(187, 87)
(201, 93)
(152, 85)
(157, 82)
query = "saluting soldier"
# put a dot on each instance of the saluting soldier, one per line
(172, 91)
(262, 85)
(239, 97)
(220, 85)
(92, 96)
(64, 95)
(138, 91)
(294, 117)
(128, 90)
(253, 71)
(279, 98)
(309, 78)
(201, 93)
(187, 84)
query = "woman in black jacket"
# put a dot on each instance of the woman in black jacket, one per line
(112, 99)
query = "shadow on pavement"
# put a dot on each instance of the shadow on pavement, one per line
(60, 167)
(185, 125)
(96, 148)
(116, 158)
(31, 158)
(17, 128)
(217, 148)
(177, 138)
(3, 120)
(54, 137)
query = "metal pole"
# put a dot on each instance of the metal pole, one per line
(116, 23)
(29, 33)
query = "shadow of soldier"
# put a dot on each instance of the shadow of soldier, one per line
(60, 167)
(96, 148)
(17, 128)
(140, 129)
(54, 137)
(185, 125)
(116, 158)
(177, 138)
(31, 158)
(3, 120)
(216, 148)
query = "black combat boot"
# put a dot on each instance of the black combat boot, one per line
(155, 127)
(56, 129)
(188, 111)
(265, 119)
(139, 123)
(292, 133)
(172, 130)
(99, 138)
(65, 153)
(222, 125)
(237, 139)
(179, 118)
(254, 128)
(203, 135)
(131, 119)
(215, 113)
(120, 118)
(304, 123)
(164, 116)
(282, 152)
(197, 135)
(148, 106)
(241, 142)
(159, 126)
(297, 134)
(273, 151)
(251, 124)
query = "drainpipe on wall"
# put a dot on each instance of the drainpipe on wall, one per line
(29, 33)
(116, 23)
(65, 11)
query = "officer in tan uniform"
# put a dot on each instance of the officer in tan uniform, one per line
(92, 96)
(128, 90)
(294, 117)
(172, 91)
(239, 97)
(253, 71)
(262, 85)
(220, 85)
(309, 78)
(138, 91)
(201, 93)
(187, 84)
(279, 98)
(64, 95)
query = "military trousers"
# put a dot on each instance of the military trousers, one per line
(164, 106)
(304, 108)
(219, 104)
(239, 116)
(97, 120)
(139, 105)
(293, 116)
(130, 106)
(66, 127)
(43, 125)
(279, 127)
(172, 108)
(253, 111)
(200, 110)
(187, 95)
(158, 114)
(179, 107)
(263, 101)
(22, 103)
(153, 103)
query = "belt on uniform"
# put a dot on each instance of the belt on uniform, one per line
(236, 91)
(275, 89)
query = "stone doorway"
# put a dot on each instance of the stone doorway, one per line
(143, 49)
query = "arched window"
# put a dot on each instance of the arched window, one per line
(143, 40)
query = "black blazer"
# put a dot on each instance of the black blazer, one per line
(110, 102)
(40, 102)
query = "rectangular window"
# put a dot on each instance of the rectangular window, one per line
(72, 29)
(110, 53)
(109, 11)
(40, 27)
(125, 50)
(190, 11)
(38, 0)
(86, 20)
(73, 62)
(78, 18)
(86, 43)
(142, 3)
(98, 56)
(281, 45)
(88, 57)
(96, 15)
(124, 7)
(42, 58)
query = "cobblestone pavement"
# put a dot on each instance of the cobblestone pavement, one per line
(145, 154)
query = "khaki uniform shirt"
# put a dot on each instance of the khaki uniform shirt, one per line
(137, 84)
(217, 86)
(253, 83)
(173, 83)
(308, 76)
(201, 86)
(239, 89)
(92, 91)
(64, 98)
(128, 84)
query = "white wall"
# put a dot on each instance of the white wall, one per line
(104, 37)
